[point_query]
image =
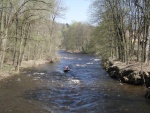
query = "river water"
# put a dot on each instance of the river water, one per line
(87, 88)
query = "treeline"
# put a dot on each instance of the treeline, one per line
(123, 29)
(76, 37)
(28, 30)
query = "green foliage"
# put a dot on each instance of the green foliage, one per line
(77, 36)
(30, 31)
(121, 25)
(101, 40)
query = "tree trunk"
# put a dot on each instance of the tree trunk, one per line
(148, 47)
(3, 47)
(25, 42)
(16, 41)
(3, 35)
(20, 49)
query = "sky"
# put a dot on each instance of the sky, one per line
(77, 10)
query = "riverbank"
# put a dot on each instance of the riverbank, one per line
(134, 73)
(10, 70)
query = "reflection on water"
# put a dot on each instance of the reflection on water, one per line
(85, 89)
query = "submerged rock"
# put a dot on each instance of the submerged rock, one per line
(147, 95)
(124, 75)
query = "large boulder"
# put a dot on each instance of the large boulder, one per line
(124, 75)
(135, 78)
(147, 94)
(147, 79)
(147, 83)
(113, 72)
(106, 64)
(131, 77)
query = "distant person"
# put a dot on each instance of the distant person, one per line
(66, 69)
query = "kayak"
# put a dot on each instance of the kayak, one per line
(66, 70)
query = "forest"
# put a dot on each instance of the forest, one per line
(123, 29)
(29, 31)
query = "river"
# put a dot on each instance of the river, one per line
(87, 88)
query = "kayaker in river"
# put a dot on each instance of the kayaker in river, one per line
(66, 69)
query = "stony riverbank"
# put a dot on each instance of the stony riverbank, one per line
(133, 73)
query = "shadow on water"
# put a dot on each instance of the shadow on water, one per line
(85, 89)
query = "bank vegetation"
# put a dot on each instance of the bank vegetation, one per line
(122, 38)
(28, 31)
